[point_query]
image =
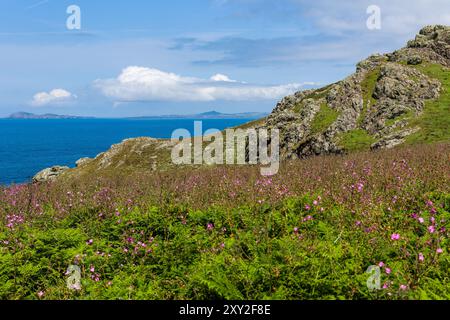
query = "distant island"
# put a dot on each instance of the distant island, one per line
(28, 115)
(209, 115)
(205, 115)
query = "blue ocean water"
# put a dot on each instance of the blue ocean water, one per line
(28, 146)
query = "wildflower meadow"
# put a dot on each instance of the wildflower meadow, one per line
(226, 232)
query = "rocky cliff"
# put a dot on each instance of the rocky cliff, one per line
(388, 99)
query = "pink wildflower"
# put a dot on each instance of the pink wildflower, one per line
(421, 257)
(395, 236)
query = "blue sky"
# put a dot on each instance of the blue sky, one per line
(179, 57)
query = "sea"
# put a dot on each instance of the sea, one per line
(30, 145)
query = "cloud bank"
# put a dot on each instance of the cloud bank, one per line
(303, 31)
(148, 84)
(55, 96)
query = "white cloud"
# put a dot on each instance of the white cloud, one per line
(55, 96)
(221, 78)
(148, 84)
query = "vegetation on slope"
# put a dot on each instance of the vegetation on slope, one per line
(368, 88)
(309, 232)
(356, 140)
(435, 120)
(323, 119)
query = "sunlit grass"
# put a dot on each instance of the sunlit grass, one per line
(435, 120)
(323, 119)
(356, 140)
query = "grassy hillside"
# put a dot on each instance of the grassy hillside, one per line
(310, 232)
(435, 120)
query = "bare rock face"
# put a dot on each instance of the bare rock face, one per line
(436, 39)
(49, 174)
(378, 101)
(393, 139)
(399, 90)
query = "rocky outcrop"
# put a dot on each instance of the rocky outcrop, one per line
(378, 101)
(146, 150)
(137, 153)
(432, 43)
(399, 90)
(49, 174)
(393, 139)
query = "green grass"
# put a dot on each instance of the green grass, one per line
(252, 124)
(297, 107)
(368, 87)
(435, 119)
(315, 94)
(323, 119)
(320, 93)
(356, 140)
(405, 116)
(248, 253)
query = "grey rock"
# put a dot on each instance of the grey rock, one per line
(393, 139)
(414, 60)
(434, 42)
(371, 62)
(49, 174)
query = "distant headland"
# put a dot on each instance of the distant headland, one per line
(209, 115)
(28, 115)
(199, 116)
